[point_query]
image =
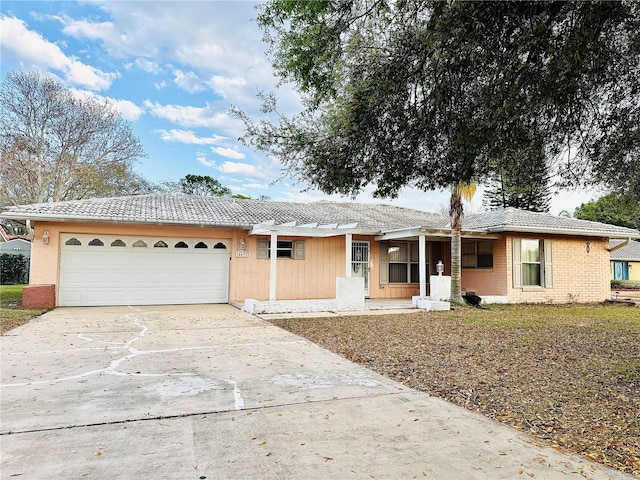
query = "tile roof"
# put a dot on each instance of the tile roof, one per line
(514, 220)
(629, 253)
(224, 211)
(234, 212)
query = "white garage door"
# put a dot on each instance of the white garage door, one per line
(110, 270)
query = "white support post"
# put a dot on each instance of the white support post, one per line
(348, 253)
(273, 265)
(422, 259)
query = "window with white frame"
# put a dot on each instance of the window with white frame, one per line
(284, 249)
(532, 263)
(477, 254)
(400, 262)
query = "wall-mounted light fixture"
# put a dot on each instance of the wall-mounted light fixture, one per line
(45, 237)
(588, 246)
(440, 267)
(243, 245)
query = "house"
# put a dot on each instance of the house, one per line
(279, 256)
(16, 246)
(625, 260)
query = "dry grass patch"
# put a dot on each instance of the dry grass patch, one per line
(568, 375)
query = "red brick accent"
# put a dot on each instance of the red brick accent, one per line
(39, 296)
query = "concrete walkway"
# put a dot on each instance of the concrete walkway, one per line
(208, 391)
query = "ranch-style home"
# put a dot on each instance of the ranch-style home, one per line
(278, 256)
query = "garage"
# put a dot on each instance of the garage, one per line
(100, 270)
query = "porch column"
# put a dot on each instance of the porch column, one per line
(422, 259)
(273, 265)
(348, 253)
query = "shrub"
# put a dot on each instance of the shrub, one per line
(625, 284)
(14, 269)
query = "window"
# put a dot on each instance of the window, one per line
(73, 241)
(96, 242)
(285, 249)
(181, 244)
(140, 244)
(160, 244)
(477, 254)
(400, 262)
(532, 263)
(220, 246)
(201, 245)
(118, 243)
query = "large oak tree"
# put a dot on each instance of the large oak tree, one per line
(432, 94)
(55, 146)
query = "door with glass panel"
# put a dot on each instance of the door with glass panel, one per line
(360, 263)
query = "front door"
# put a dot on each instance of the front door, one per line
(360, 263)
(620, 270)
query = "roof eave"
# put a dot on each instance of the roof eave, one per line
(563, 231)
(401, 233)
(63, 218)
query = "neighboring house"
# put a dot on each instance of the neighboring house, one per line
(164, 249)
(16, 246)
(625, 260)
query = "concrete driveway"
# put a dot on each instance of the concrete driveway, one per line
(208, 391)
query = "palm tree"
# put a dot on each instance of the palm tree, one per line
(459, 192)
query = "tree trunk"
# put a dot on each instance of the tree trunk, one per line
(456, 215)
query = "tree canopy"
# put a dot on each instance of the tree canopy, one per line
(55, 146)
(203, 185)
(521, 180)
(613, 209)
(429, 94)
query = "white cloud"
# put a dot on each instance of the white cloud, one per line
(91, 30)
(147, 66)
(228, 152)
(254, 186)
(220, 41)
(160, 85)
(238, 168)
(28, 45)
(203, 161)
(129, 110)
(188, 81)
(187, 116)
(31, 48)
(227, 85)
(189, 136)
(90, 77)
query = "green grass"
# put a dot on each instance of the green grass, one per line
(12, 314)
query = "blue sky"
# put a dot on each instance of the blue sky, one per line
(173, 69)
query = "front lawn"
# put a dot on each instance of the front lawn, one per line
(567, 375)
(12, 314)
